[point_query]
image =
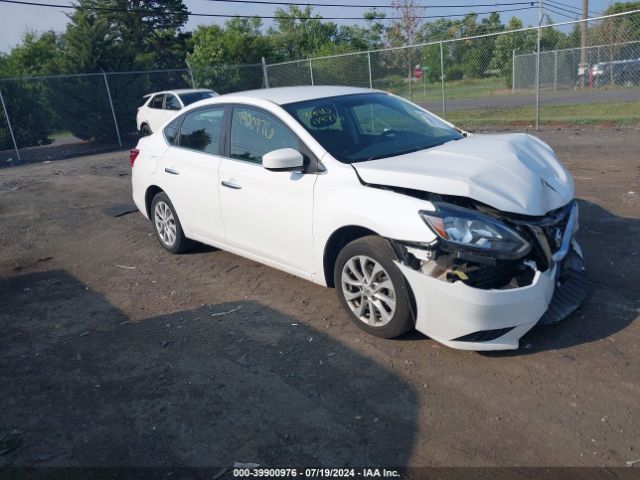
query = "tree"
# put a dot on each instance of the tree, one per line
(32, 121)
(506, 43)
(218, 52)
(132, 35)
(299, 33)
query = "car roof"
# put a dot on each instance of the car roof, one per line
(180, 91)
(285, 95)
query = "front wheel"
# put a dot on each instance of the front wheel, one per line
(372, 289)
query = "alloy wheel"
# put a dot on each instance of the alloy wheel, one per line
(368, 290)
(165, 223)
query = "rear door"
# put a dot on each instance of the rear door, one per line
(268, 214)
(190, 173)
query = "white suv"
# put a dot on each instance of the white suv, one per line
(467, 238)
(159, 107)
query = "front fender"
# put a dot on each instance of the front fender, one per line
(341, 200)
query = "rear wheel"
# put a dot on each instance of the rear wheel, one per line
(145, 130)
(166, 225)
(372, 289)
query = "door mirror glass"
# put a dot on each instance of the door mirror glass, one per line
(283, 160)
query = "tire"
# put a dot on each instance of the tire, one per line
(372, 289)
(166, 225)
(145, 130)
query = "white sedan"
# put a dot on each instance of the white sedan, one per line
(467, 238)
(159, 107)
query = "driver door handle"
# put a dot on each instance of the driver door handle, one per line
(172, 171)
(230, 184)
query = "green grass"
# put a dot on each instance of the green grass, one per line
(467, 88)
(620, 113)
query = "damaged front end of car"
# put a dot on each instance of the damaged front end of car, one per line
(506, 272)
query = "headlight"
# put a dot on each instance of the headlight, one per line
(474, 231)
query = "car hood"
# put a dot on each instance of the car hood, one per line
(515, 173)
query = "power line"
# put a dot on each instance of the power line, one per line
(341, 5)
(578, 10)
(549, 8)
(219, 15)
(562, 9)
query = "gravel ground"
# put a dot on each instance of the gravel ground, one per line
(116, 353)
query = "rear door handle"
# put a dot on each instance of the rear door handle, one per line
(229, 184)
(172, 171)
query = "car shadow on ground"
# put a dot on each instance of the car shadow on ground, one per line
(611, 247)
(238, 382)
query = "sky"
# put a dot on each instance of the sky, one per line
(15, 20)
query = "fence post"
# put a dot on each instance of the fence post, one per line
(370, 74)
(311, 71)
(265, 74)
(113, 112)
(555, 71)
(513, 71)
(193, 83)
(13, 138)
(444, 102)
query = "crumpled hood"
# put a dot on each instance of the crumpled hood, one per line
(515, 173)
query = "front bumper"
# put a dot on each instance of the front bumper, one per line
(468, 318)
(449, 311)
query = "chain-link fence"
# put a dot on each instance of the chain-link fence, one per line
(607, 65)
(506, 79)
(492, 81)
(64, 115)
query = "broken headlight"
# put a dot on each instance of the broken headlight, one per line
(471, 230)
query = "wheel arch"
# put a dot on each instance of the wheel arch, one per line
(336, 242)
(151, 192)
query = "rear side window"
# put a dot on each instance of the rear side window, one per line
(171, 131)
(156, 101)
(254, 133)
(201, 128)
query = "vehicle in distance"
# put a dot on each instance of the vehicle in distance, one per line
(467, 238)
(159, 107)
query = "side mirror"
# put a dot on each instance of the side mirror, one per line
(283, 160)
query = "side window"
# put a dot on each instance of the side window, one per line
(254, 133)
(171, 102)
(156, 102)
(171, 130)
(201, 128)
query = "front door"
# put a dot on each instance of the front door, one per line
(266, 213)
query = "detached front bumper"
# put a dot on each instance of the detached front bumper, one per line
(469, 318)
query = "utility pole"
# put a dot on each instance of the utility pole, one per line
(540, 19)
(583, 43)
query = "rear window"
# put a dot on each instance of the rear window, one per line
(189, 98)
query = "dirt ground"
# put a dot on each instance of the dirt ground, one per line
(116, 353)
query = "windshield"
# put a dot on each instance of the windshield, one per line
(368, 126)
(189, 98)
